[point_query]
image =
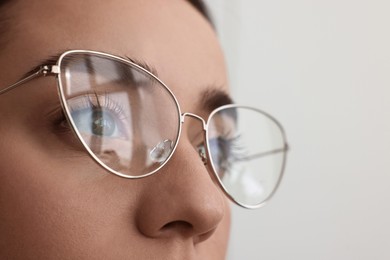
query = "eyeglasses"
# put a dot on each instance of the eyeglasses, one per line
(130, 123)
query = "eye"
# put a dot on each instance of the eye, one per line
(225, 151)
(96, 121)
(98, 116)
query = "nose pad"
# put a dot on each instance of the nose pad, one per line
(161, 151)
(201, 148)
(202, 154)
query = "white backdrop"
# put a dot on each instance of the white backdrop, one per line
(323, 69)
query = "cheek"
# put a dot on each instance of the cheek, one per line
(47, 201)
(26, 198)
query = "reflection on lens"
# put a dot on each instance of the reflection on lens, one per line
(126, 118)
(161, 151)
(247, 149)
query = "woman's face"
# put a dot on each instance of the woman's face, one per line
(58, 204)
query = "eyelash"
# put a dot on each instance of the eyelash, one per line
(84, 102)
(233, 144)
(228, 150)
(87, 102)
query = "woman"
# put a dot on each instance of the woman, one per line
(71, 177)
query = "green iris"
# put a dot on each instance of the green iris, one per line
(95, 121)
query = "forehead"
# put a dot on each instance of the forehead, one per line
(170, 35)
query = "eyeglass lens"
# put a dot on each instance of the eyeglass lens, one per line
(130, 123)
(123, 115)
(247, 151)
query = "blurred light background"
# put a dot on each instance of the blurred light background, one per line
(322, 68)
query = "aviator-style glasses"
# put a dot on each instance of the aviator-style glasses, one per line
(130, 123)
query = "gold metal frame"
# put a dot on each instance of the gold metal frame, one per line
(55, 70)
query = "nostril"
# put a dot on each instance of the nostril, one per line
(179, 227)
(185, 229)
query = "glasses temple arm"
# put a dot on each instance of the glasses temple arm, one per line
(263, 154)
(43, 70)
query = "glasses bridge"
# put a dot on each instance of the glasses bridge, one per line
(182, 119)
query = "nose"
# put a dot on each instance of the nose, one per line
(183, 200)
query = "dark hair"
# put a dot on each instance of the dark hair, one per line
(201, 7)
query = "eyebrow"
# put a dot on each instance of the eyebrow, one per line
(52, 60)
(212, 98)
(209, 99)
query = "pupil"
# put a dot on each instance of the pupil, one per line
(102, 123)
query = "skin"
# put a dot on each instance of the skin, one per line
(59, 204)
